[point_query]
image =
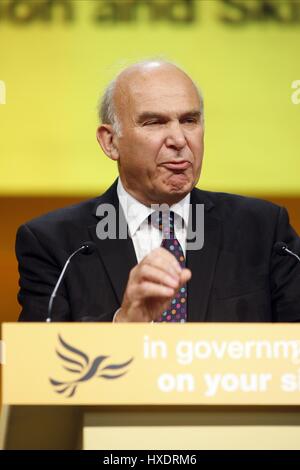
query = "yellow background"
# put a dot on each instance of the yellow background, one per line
(55, 72)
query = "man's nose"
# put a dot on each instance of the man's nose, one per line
(175, 138)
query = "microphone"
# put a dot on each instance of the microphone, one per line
(86, 249)
(281, 248)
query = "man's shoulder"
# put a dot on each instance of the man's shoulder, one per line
(80, 214)
(228, 203)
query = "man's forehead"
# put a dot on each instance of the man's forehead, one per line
(169, 84)
(165, 100)
(165, 86)
(152, 72)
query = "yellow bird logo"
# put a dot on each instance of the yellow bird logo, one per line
(79, 364)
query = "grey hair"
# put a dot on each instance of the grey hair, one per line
(106, 110)
(107, 113)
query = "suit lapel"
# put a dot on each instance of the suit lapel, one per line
(202, 262)
(117, 255)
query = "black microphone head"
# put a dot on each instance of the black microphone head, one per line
(280, 248)
(88, 248)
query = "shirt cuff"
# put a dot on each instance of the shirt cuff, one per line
(115, 315)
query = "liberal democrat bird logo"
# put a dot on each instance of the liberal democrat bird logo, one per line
(84, 369)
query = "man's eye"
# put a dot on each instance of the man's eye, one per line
(191, 120)
(151, 123)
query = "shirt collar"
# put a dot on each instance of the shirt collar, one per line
(136, 212)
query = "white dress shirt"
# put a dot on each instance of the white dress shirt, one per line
(146, 237)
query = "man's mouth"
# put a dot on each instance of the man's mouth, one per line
(180, 165)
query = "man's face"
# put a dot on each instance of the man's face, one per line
(161, 143)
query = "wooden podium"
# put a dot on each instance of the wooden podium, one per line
(150, 386)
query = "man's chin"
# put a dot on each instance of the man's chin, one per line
(176, 191)
(179, 184)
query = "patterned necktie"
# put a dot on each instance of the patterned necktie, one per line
(164, 221)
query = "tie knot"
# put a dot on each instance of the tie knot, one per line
(164, 221)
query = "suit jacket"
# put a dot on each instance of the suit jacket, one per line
(236, 276)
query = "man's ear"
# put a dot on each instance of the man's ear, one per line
(106, 138)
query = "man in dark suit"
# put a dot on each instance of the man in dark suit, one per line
(153, 126)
